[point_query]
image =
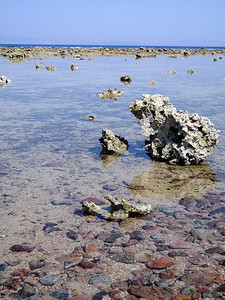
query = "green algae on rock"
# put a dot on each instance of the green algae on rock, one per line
(120, 209)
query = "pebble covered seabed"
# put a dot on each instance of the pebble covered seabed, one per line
(51, 163)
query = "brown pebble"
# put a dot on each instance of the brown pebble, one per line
(86, 264)
(160, 263)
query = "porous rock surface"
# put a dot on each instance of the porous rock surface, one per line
(174, 135)
(110, 94)
(4, 81)
(112, 143)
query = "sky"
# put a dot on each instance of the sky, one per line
(113, 22)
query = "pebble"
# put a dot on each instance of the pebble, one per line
(197, 279)
(110, 187)
(126, 258)
(160, 263)
(49, 280)
(94, 200)
(25, 247)
(49, 226)
(36, 264)
(72, 235)
(3, 235)
(27, 291)
(60, 294)
(100, 279)
(64, 202)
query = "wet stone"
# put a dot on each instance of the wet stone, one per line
(25, 247)
(160, 263)
(137, 235)
(220, 210)
(100, 279)
(86, 264)
(113, 237)
(3, 266)
(72, 235)
(161, 247)
(49, 226)
(126, 258)
(60, 294)
(197, 279)
(27, 291)
(110, 187)
(177, 253)
(49, 280)
(157, 237)
(36, 264)
(64, 202)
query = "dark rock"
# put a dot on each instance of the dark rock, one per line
(48, 226)
(27, 291)
(72, 235)
(60, 294)
(113, 237)
(100, 279)
(36, 264)
(137, 235)
(25, 247)
(64, 202)
(84, 264)
(3, 266)
(99, 296)
(220, 210)
(49, 280)
(126, 258)
(177, 253)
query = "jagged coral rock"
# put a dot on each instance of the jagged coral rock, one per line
(4, 81)
(110, 94)
(173, 135)
(120, 209)
(112, 143)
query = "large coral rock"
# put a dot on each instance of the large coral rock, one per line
(112, 143)
(174, 135)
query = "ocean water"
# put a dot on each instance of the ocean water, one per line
(46, 145)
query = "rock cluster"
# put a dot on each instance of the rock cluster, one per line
(126, 79)
(4, 81)
(110, 94)
(112, 143)
(174, 136)
(120, 209)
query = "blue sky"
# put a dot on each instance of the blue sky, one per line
(113, 22)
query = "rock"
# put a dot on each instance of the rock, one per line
(27, 291)
(4, 81)
(152, 82)
(3, 266)
(73, 261)
(2, 235)
(197, 279)
(20, 272)
(126, 258)
(91, 118)
(160, 263)
(25, 247)
(60, 294)
(110, 187)
(73, 67)
(113, 237)
(94, 200)
(36, 264)
(49, 280)
(72, 235)
(171, 72)
(174, 136)
(48, 226)
(126, 79)
(120, 209)
(110, 94)
(100, 279)
(84, 264)
(190, 72)
(152, 292)
(112, 143)
(50, 68)
(64, 202)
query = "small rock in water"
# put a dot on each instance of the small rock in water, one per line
(110, 94)
(73, 67)
(190, 72)
(36, 264)
(25, 247)
(110, 187)
(64, 202)
(49, 280)
(171, 72)
(126, 79)
(112, 143)
(126, 258)
(2, 235)
(152, 82)
(91, 118)
(72, 235)
(27, 291)
(49, 226)
(100, 279)
(60, 294)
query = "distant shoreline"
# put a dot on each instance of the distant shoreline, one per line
(23, 53)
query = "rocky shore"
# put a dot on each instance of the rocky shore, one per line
(23, 53)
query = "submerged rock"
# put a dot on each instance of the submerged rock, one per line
(152, 82)
(173, 135)
(112, 143)
(110, 94)
(4, 81)
(90, 118)
(120, 209)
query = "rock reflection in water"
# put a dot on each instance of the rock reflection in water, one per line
(174, 182)
(108, 159)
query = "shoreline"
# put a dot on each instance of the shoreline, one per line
(23, 53)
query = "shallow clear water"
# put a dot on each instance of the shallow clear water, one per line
(46, 141)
